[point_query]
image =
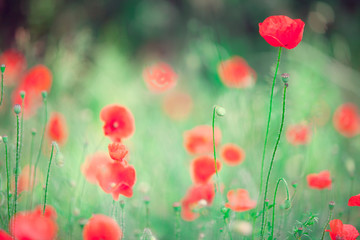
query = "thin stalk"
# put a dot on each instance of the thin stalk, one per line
(268, 123)
(287, 199)
(17, 158)
(22, 120)
(272, 161)
(327, 223)
(147, 209)
(214, 147)
(40, 147)
(30, 163)
(48, 175)
(2, 83)
(7, 178)
(348, 215)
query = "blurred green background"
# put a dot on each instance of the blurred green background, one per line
(97, 51)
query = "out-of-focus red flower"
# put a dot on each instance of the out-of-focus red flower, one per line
(34, 225)
(202, 169)
(282, 31)
(119, 122)
(57, 128)
(347, 120)
(319, 181)
(199, 140)
(236, 73)
(102, 227)
(191, 202)
(113, 177)
(117, 151)
(36, 80)
(26, 179)
(15, 63)
(239, 200)
(117, 178)
(340, 231)
(232, 154)
(160, 77)
(354, 201)
(5, 236)
(299, 134)
(178, 105)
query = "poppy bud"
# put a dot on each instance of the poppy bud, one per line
(285, 77)
(226, 212)
(287, 204)
(294, 185)
(177, 207)
(44, 94)
(300, 230)
(220, 111)
(122, 204)
(267, 202)
(331, 205)
(2, 68)
(146, 200)
(33, 131)
(5, 139)
(22, 94)
(17, 109)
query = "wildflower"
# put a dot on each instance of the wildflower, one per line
(282, 31)
(354, 201)
(203, 168)
(340, 231)
(160, 77)
(5, 236)
(199, 140)
(57, 128)
(34, 224)
(178, 105)
(236, 73)
(34, 82)
(239, 200)
(346, 120)
(102, 227)
(119, 122)
(232, 154)
(15, 63)
(117, 151)
(299, 134)
(194, 195)
(319, 181)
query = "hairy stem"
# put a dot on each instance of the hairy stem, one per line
(17, 158)
(272, 162)
(7, 179)
(327, 223)
(48, 175)
(287, 198)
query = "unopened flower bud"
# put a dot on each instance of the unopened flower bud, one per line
(177, 207)
(2, 68)
(220, 111)
(44, 94)
(17, 109)
(331, 205)
(22, 94)
(5, 139)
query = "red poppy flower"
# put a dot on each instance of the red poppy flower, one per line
(113, 177)
(119, 122)
(25, 181)
(160, 77)
(203, 168)
(36, 80)
(15, 63)
(354, 201)
(5, 236)
(34, 225)
(199, 140)
(319, 181)
(232, 154)
(236, 73)
(298, 134)
(117, 178)
(239, 200)
(340, 231)
(282, 31)
(102, 227)
(178, 105)
(57, 128)
(192, 200)
(117, 151)
(347, 120)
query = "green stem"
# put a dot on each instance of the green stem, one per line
(17, 159)
(287, 199)
(147, 215)
(214, 147)
(48, 174)
(39, 152)
(22, 123)
(272, 161)
(30, 163)
(268, 123)
(7, 179)
(2, 87)
(327, 223)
